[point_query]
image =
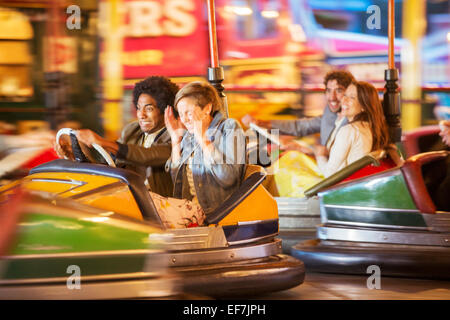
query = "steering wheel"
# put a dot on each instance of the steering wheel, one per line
(75, 150)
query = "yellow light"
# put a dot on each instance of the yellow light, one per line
(229, 9)
(240, 11)
(243, 11)
(96, 219)
(270, 14)
(107, 214)
(448, 36)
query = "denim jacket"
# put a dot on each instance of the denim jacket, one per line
(215, 177)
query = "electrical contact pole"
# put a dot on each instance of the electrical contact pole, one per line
(391, 99)
(215, 72)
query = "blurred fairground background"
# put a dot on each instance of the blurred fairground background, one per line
(74, 63)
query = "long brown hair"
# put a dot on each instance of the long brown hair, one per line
(372, 112)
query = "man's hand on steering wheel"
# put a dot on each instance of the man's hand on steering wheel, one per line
(84, 146)
(89, 138)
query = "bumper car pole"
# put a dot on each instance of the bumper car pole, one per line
(215, 72)
(55, 79)
(391, 98)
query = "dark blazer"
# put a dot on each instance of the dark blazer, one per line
(147, 162)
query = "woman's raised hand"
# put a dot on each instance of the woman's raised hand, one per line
(173, 125)
(202, 121)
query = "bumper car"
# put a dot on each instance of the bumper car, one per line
(236, 253)
(423, 139)
(394, 219)
(17, 163)
(53, 248)
(299, 216)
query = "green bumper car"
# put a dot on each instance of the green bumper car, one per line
(397, 219)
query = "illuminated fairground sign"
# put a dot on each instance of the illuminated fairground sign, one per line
(165, 37)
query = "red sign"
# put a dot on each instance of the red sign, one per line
(165, 37)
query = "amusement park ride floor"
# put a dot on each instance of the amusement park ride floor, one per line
(351, 287)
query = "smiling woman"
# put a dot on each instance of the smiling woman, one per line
(365, 132)
(208, 160)
(350, 105)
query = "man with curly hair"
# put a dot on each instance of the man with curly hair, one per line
(144, 145)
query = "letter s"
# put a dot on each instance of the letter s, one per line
(181, 21)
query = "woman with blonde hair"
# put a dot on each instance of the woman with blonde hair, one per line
(208, 156)
(366, 130)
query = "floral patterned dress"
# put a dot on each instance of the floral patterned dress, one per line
(178, 213)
